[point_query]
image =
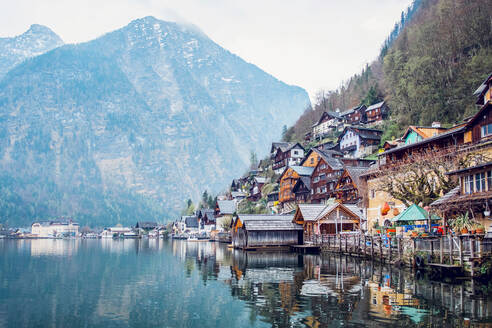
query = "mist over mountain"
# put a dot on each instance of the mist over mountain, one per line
(129, 125)
(37, 40)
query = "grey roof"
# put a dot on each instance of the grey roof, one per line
(227, 206)
(424, 141)
(284, 146)
(378, 105)
(236, 194)
(327, 156)
(146, 224)
(482, 86)
(191, 222)
(271, 225)
(261, 179)
(310, 211)
(444, 199)
(303, 170)
(210, 216)
(261, 217)
(205, 211)
(304, 180)
(355, 172)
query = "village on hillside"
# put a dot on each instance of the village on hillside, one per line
(353, 194)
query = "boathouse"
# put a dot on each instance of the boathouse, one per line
(250, 231)
(320, 220)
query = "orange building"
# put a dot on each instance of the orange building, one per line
(288, 180)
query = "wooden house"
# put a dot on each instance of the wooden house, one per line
(224, 210)
(286, 154)
(327, 219)
(347, 188)
(252, 231)
(206, 219)
(484, 91)
(359, 142)
(256, 186)
(377, 112)
(355, 115)
(416, 133)
(288, 180)
(473, 195)
(325, 176)
(328, 122)
(302, 190)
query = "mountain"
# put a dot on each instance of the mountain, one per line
(35, 41)
(128, 126)
(431, 63)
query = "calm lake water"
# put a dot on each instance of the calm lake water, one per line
(152, 283)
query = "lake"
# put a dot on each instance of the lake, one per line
(165, 283)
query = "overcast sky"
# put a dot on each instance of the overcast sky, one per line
(315, 44)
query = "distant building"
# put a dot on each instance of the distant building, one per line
(355, 115)
(359, 142)
(328, 122)
(285, 154)
(55, 228)
(376, 113)
(224, 210)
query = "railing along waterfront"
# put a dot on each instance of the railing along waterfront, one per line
(463, 251)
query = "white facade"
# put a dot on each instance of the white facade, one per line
(350, 139)
(47, 229)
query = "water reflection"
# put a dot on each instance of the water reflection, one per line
(202, 284)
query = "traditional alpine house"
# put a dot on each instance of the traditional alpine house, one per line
(286, 154)
(224, 210)
(347, 188)
(206, 219)
(288, 180)
(320, 220)
(473, 195)
(325, 177)
(328, 122)
(255, 190)
(359, 142)
(355, 115)
(302, 190)
(252, 231)
(416, 133)
(376, 113)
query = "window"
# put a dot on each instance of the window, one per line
(372, 193)
(322, 177)
(317, 190)
(312, 160)
(468, 184)
(480, 182)
(489, 180)
(486, 130)
(296, 152)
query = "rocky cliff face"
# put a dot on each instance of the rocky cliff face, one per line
(35, 41)
(127, 126)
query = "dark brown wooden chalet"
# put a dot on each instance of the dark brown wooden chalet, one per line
(479, 128)
(473, 195)
(302, 190)
(325, 177)
(286, 154)
(355, 115)
(347, 188)
(255, 190)
(376, 113)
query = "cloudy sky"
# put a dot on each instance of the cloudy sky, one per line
(315, 44)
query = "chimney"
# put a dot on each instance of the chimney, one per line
(436, 124)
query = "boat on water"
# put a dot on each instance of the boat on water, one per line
(130, 234)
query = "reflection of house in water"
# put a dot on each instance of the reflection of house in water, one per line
(58, 247)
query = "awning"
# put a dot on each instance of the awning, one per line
(414, 213)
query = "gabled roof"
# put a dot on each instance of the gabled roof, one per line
(482, 86)
(327, 156)
(209, 216)
(327, 114)
(226, 206)
(191, 221)
(375, 106)
(285, 146)
(310, 211)
(451, 131)
(146, 225)
(205, 211)
(271, 225)
(365, 133)
(355, 172)
(352, 110)
(302, 170)
(314, 212)
(306, 181)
